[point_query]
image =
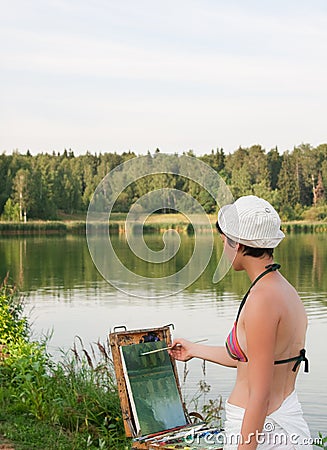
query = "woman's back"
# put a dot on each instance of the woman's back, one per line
(273, 303)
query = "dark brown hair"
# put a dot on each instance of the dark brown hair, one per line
(246, 250)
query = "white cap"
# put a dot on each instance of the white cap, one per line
(251, 221)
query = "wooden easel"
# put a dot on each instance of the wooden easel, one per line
(118, 338)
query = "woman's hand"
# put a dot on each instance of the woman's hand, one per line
(184, 350)
(181, 349)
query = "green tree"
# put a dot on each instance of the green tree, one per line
(319, 192)
(235, 161)
(45, 167)
(320, 166)
(20, 192)
(304, 168)
(10, 211)
(9, 166)
(256, 164)
(89, 164)
(274, 163)
(324, 176)
(70, 198)
(216, 159)
(241, 182)
(247, 167)
(288, 187)
(39, 203)
(5, 186)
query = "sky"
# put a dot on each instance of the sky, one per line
(120, 75)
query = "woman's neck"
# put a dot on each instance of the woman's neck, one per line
(255, 266)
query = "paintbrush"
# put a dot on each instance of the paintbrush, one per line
(168, 348)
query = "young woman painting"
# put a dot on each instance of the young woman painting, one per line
(266, 343)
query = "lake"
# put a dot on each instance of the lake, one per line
(66, 294)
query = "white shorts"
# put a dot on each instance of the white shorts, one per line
(285, 428)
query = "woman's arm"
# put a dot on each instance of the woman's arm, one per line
(261, 320)
(184, 350)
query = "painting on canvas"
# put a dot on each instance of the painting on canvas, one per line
(152, 388)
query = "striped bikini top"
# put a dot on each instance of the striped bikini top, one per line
(233, 347)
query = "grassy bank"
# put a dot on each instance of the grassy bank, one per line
(45, 405)
(42, 227)
(71, 404)
(157, 223)
(304, 227)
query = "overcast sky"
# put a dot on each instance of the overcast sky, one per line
(119, 75)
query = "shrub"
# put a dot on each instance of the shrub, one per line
(13, 325)
(10, 211)
(316, 213)
(78, 394)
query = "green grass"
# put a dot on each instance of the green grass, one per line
(304, 227)
(25, 433)
(156, 223)
(70, 404)
(42, 227)
(70, 431)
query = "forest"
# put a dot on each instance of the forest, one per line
(47, 186)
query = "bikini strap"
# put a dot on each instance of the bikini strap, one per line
(269, 268)
(298, 359)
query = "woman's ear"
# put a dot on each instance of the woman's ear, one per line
(239, 247)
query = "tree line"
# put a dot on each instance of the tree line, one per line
(45, 185)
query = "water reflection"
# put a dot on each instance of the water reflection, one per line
(36, 263)
(68, 294)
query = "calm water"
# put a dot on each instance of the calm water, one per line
(66, 294)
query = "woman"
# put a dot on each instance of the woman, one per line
(266, 344)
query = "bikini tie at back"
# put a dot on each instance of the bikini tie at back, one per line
(233, 347)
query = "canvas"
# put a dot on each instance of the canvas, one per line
(152, 388)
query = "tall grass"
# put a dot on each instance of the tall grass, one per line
(42, 227)
(71, 404)
(32, 227)
(75, 398)
(157, 223)
(304, 227)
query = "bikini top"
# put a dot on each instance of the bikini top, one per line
(233, 347)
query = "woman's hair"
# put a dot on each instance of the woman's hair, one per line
(248, 251)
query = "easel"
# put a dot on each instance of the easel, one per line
(121, 337)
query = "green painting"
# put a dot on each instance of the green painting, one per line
(152, 388)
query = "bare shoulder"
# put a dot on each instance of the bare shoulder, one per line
(274, 308)
(271, 297)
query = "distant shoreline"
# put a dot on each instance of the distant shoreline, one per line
(157, 223)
